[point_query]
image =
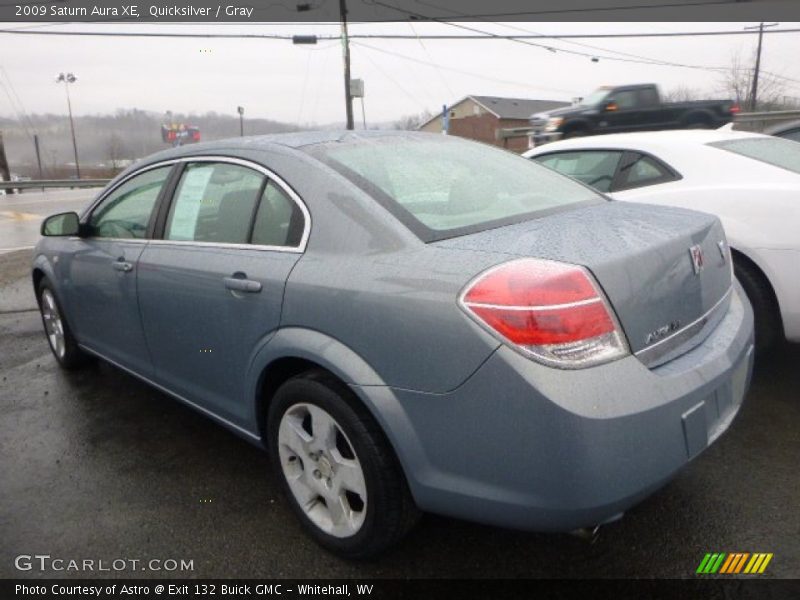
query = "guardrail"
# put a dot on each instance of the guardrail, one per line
(53, 183)
(773, 115)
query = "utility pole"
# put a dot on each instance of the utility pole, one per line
(5, 172)
(346, 50)
(754, 92)
(67, 79)
(240, 110)
(312, 39)
(38, 155)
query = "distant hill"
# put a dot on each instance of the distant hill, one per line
(108, 140)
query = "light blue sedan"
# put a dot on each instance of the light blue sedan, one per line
(409, 322)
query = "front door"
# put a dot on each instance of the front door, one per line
(211, 290)
(103, 271)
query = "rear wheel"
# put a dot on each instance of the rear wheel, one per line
(59, 335)
(766, 313)
(336, 468)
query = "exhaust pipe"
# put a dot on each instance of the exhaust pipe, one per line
(587, 534)
(591, 534)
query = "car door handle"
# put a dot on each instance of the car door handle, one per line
(123, 266)
(240, 284)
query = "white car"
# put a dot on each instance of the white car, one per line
(750, 181)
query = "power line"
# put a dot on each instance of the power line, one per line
(462, 71)
(380, 36)
(392, 79)
(628, 7)
(491, 35)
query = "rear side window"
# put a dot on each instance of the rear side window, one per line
(593, 167)
(214, 202)
(792, 134)
(441, 186)
(279, 221)
(126, 211)
(639, 170)
(774, 151)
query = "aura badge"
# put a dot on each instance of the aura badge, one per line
(734, 563)
(698, 261)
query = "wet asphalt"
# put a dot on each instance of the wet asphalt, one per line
(98, 465)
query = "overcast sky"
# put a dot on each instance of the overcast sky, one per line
(278, 80)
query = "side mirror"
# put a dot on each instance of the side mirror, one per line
(610, 106)
(63, 224)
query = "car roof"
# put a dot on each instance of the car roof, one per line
(299, 139)
(277, 142)
(650, 139)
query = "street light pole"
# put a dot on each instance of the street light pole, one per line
(67, 79)
(754, 91)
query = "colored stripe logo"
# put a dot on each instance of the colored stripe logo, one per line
(734, 563)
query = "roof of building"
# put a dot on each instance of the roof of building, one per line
(507, 108)
(516, 108)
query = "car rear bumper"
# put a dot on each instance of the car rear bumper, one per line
(531, 447)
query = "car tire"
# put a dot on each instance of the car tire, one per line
(62, 342)
(336, 467)
(766, 313)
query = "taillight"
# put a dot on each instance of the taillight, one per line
(735, 109)
(554, 312)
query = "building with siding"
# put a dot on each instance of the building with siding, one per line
(479, 118)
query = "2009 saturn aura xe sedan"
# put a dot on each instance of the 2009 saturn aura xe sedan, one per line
(410, 321)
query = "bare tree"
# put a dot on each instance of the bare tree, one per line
(115, 150)
(411, 122)
(737, 83)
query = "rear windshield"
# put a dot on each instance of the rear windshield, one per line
(441, 187)
(775, 151)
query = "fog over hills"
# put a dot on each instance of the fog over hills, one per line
(105, 140)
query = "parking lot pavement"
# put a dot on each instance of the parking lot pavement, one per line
(21, 215)
(97, 465)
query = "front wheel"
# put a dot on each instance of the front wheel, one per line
(336, 468)
(59, 335)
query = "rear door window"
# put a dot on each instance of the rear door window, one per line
(639, 170)
(593, 167)
(214, 202)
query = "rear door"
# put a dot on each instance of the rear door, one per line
(211, 289)
(103, 269)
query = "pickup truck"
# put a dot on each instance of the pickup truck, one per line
(628, 108)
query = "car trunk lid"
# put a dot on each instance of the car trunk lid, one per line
(666, 271)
